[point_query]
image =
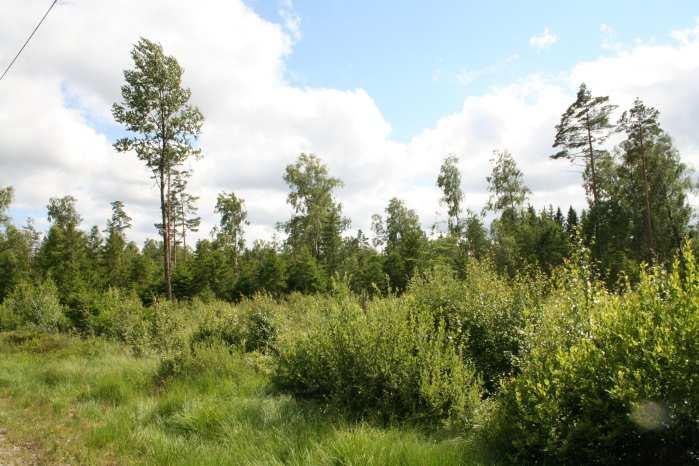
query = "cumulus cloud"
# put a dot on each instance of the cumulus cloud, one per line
(56, 129)
(544, 40)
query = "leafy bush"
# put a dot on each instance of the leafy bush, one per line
(609, 379)
(167, 328)
(249, 326)
(387, 361)
(35, 306)
(484, 313)
(117, 314)
(226, 329)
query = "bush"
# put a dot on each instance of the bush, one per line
(117, 314)
(249, 326)
(34, 306)
(484, 313)
(226, 329)
(609, 379)
(167, 328)
(388, 363)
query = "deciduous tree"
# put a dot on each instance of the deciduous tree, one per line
(163, 125)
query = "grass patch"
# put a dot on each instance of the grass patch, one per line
(89, 401)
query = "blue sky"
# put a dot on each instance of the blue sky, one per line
(408, 55)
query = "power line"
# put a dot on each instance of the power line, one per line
(28, 39)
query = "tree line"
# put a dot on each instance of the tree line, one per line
(637, 192)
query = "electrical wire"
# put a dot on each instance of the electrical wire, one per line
(28, 39)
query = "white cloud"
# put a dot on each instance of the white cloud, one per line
(686, 36)
(544, 40)
(292, 21)
(55, 123)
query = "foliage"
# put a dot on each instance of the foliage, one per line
(506, 185)
(584, 126)
(608, 379)
(117, 314)
(317, 223)
(405, 242)
(33, 305)
(249, 327)
(87, 401)
(449, 181)
(483, 313)
(387, 362)
(163, 125)
(234, 218)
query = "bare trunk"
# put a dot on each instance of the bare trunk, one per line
(184, 235)
(165, 171)
(648, 221)
(166, 235)
(592, 160)
(675, 233)
(171, 225)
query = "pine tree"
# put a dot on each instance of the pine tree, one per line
(571, 220)
(642, 129)
(583, 128)
(183, 206)
(114, 252)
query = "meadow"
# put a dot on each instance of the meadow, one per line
(484, 369)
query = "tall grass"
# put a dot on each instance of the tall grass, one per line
(93, 402)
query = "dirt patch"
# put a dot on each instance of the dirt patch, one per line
(13, 454)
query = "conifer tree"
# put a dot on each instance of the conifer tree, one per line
(640, 123)
(583, 128)
(116, 267)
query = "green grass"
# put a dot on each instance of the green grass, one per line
(89, 401)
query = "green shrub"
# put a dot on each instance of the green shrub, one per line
(484, 313)
(249, 326)
(387, 362)
(212, 357)
(608, 379)
(261, 331)
(226, 329)
(167, 328)
(117, 314)
(33, 305)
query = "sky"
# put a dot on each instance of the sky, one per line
(381, 91)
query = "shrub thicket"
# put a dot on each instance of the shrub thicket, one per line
(388, 362)
(485, 313)
(117, 314)
(608, 379)
(33, 305)
(249, 326)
